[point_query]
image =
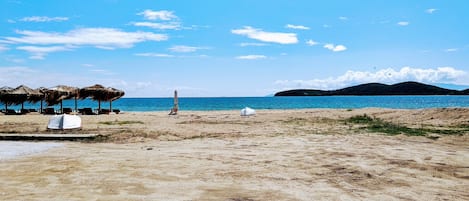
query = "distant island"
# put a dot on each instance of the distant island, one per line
(377, 89)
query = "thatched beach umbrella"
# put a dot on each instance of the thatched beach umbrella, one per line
(35, 95)
(100, 93)
(116, 93)
(57, 94)
(43, 91)
(19, 95)
(3, 98)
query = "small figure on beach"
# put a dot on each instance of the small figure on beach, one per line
(174, 110)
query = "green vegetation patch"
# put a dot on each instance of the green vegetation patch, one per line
(379, 126)
(360, 119)
(120, 122)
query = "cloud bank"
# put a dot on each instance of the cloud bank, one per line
(185, 49)
(160, 26)
(431, 10)
(300, 27)
(39, 52)
(335, 48)
(3, 48)
(272, 37)
(251, 57)
(44, 19)
(158, 15)
(447, 75)
(311, 42)
(103, 38)
(150, 54)
(167, 20)
(99, 37)
(403, 23)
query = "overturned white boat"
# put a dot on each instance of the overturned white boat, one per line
(64, 122)
(247, 111)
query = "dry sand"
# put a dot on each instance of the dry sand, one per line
(275, 155)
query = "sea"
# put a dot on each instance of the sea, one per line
(237, 103)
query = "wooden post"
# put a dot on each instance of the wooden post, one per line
(76, 109)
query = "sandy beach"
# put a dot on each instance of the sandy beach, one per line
(314, 154)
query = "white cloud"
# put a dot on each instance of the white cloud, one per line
(335, 48)
(447, 75)
(3, 48)
(251, 57)
(311, 42)
(403, 23)
(162, 26)
(44, 19)
(16, 75)
(451, 50)
(99, 37)
(431, 10)
(343, 18)
(5, 42)
(11, 21)
(13, 59)
(326, 26)
(12, 75)
(88, 65)
(252, 44)
(185, 49)
(301, 27)
(158, 15)
(273, 37)
(39, 52)
(150, 54)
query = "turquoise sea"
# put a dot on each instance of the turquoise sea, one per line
(236, 103)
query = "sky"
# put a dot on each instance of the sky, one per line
(230, 48)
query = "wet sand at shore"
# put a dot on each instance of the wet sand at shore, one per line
(219, 155)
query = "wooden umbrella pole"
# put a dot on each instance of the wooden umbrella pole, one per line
(61, 107)
(76, 109)
(110, 106)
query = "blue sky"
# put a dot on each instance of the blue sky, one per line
(149, 48)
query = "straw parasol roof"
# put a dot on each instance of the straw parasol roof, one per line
(4, 89)
(57, 94)
(41, 90)
(35, 95)
(19, 95)
(3, 97)
(100, 93)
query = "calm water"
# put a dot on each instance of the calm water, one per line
(236, 103)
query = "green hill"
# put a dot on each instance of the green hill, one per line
(377, 89)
